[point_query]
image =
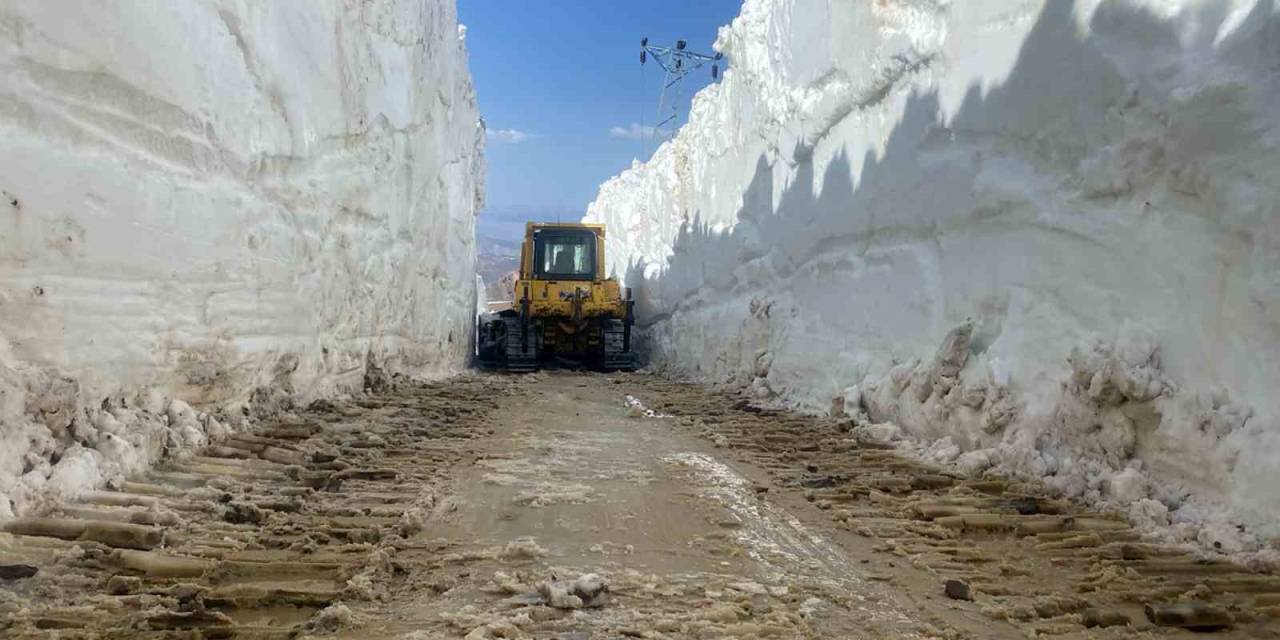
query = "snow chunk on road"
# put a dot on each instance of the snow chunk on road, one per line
(522, 549)
(586, 591)
(636, 409)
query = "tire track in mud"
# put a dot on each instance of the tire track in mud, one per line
(268, 534)
(313, 524)
(578, 485)
(773, 537)
(783, 545)
(1025, 557)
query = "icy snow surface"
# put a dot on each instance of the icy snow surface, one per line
(1035, 236)
(204, 199)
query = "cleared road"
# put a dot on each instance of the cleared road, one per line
(565, 505)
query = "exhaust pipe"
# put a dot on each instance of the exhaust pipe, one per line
(627, 322)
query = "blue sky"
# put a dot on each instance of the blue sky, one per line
(554, 77)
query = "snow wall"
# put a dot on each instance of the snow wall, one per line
(221, 204)
(1034, 236)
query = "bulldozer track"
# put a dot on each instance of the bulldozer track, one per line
(614, 356)
(521, 356)
(1024, 554)
(618, 356)
(254, 536)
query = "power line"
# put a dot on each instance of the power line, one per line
(676, 62)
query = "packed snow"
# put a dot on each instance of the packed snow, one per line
(214, 208)
(1018, 236)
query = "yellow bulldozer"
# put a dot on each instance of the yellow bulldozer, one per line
(563, 307)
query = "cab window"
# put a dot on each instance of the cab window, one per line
(568, 256)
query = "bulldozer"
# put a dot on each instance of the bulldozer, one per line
(562, 308)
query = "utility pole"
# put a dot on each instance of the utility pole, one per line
(677, 62)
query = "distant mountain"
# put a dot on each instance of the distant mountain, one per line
(495, 271)
(492, 246)
(497, 258)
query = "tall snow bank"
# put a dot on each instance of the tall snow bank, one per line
(204, 199)
(1042, 236)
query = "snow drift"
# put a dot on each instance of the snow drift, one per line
(207, 203)
(1038, 236)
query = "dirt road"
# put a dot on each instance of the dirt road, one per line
(564, 505)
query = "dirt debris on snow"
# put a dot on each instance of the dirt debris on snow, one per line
(293, 527)
(522, 549)
(587, 591)
(331, 618)
(1027, 554)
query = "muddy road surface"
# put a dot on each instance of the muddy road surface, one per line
(576, 506)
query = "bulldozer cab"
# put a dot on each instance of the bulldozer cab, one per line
(564, 254)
